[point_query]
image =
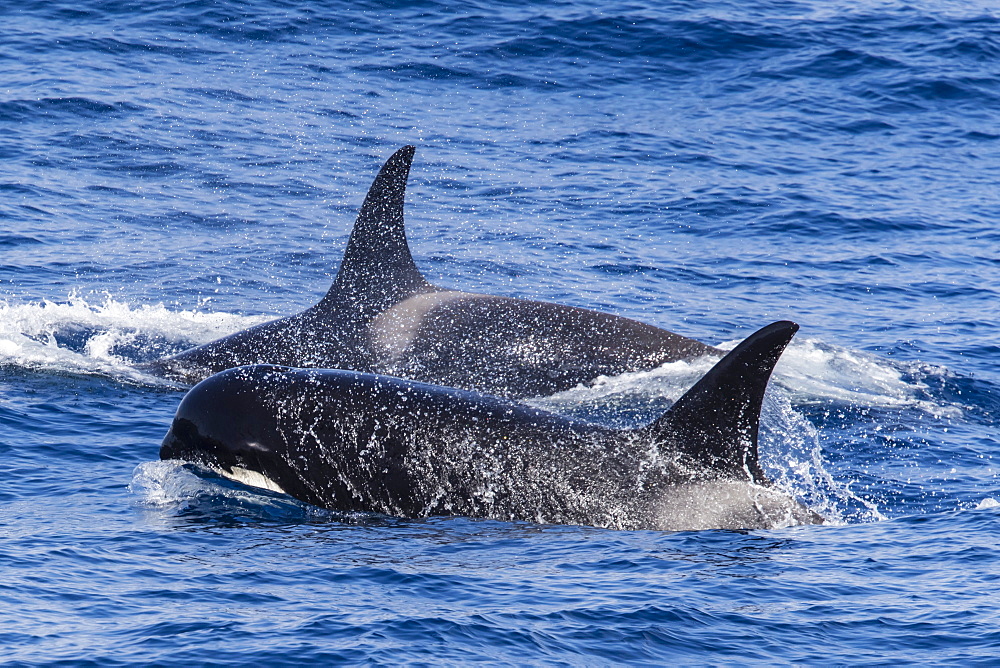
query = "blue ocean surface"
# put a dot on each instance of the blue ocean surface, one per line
(171, 172)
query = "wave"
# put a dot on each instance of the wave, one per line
(814, 372)
(810, 371)
(106, 338)
(109, 337)
(171, 489)
(58, 107)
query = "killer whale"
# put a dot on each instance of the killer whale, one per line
(382, 316)
(352, 441)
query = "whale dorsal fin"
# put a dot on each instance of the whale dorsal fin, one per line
(377, 270)
(714, 425)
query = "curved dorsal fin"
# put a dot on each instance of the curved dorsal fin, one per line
(377, 270)
(715, 423)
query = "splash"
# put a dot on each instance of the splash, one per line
(809, 373)
(628, 400)
(164, 484)
(105, 338)
(167, 490)
(108, 337)
(792, 455)
(816, 373)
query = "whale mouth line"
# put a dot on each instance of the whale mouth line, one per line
(176, 447)
(249, 477)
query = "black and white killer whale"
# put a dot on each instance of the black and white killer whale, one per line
(351, 441)
(382, 316)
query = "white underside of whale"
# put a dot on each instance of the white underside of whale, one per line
(251, 478)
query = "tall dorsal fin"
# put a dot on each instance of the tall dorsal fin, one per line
(715, 423)
(377, 270)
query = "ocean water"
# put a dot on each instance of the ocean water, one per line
(174, 171)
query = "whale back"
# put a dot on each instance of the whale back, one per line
(382, 316)
(378, 270)
(714, 425)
